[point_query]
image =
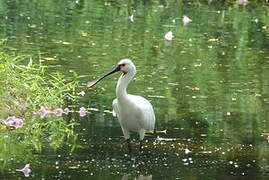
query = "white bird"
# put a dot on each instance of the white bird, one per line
(135, 113)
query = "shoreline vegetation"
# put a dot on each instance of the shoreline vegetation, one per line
(26, 90)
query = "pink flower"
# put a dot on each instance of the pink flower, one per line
(186, 20)
(13, 122)
(82, 112)
(9, 121)
(44, 112)
(58, 112)
(66, 111)
(26, 170)
(242, 2)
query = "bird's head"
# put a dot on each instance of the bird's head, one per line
(125, 66)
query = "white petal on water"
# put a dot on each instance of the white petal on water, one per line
(186, 20)
(131, 18)
(169, 36)
(187, 151)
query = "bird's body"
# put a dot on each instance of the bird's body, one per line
(135, 113)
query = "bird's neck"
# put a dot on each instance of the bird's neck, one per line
(124, 80)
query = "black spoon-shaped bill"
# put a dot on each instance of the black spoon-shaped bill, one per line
(92, 83)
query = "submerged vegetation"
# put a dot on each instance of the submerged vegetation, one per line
(25, 88)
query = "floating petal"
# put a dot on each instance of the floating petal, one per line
(242, 2)
(186, 20)
(187, 151)
(82, 93)
(131, 18)
(169, 36)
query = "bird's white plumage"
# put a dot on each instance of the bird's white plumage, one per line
(134, 113)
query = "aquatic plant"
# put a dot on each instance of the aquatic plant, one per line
(30, 101)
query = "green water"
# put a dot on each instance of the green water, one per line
(209, 86)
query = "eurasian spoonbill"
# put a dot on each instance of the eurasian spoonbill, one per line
(135, 113)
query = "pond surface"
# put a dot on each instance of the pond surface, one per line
(209, 85)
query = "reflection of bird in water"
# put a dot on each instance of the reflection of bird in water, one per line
(134, 113)
(140, 177)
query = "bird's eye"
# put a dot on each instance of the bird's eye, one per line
(122, 65)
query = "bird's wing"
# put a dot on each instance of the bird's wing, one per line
(115, 111)
(147, 118)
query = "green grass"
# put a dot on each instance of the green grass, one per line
(24, 87)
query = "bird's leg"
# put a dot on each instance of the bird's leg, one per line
(129, 145)
(126, 134)
(141, 137)
(141, 146)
